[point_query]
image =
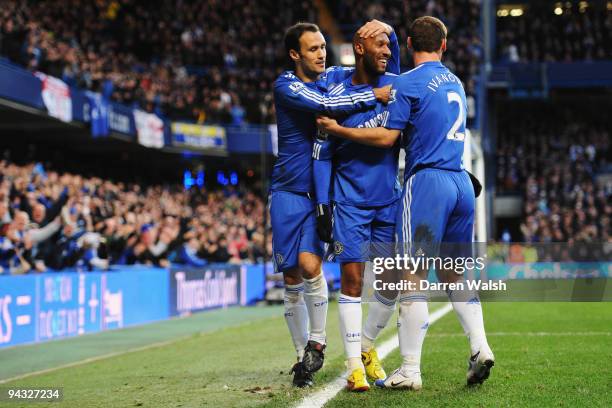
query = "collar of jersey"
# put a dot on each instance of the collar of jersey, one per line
(430, 63)
(297, 78)
(348, 83)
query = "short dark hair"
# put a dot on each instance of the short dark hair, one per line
(427, 33)
(293, 35)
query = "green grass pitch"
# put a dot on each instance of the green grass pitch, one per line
(548, 354)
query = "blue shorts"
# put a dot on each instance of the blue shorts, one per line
(437, 206)
(358, 229)
(293, 228)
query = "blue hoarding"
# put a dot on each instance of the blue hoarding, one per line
(43, 307)
(247, 139)
(255, 281)
(197, 289)
(20, 85)
(121, 119)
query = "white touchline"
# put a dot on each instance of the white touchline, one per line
(529, 334)
(320, 398)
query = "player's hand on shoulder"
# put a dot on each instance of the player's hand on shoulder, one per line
(326, 124)
(383, 95)
(373, 28)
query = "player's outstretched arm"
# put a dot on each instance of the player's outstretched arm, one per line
(379, 137)
(294, 94)
(393, 66)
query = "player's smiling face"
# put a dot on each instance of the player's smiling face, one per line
(377, 53)
(312, 53)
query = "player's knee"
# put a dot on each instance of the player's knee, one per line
(351, 291)
(311, 273)
(351, 284)
(315, 284)
(292, 277)
(387, 297)
(449, 276)
(310, 266)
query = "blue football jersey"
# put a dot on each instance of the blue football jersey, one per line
(297, 104)
(428, 104)
(362, 175)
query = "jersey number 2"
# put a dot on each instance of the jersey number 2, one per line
(453, 133)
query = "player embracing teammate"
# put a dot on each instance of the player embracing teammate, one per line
(364, 193)
(427, 112)
(300, 94)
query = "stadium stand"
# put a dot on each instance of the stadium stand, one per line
(58, 220)
(175, 59)
(557, 161)
(212, 61)
(549, 31)
(462, 18)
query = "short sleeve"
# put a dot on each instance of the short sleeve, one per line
(402, 94)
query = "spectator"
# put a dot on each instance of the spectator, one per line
(184, 59)
(103, 223)
(462, 18)
(553, 160)
(573, 32)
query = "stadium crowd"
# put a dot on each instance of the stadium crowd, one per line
(215, 61)
(553, 159)
(210, 61)
(59, 220)
(462, 18)
(548, 32)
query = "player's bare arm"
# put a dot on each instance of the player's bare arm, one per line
(383, 95)
(379, 137)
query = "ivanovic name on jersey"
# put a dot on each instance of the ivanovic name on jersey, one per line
(439, 79)
(430, 109)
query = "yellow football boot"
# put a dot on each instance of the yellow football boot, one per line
(356, 382)
(372, 365)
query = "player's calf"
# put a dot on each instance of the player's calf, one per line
(315, 295)
(316, 299)
(380, 311)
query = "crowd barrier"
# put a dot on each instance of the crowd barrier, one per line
(47, 306)
(52, 305)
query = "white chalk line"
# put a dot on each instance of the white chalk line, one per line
(527, 334)
(321, 397)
